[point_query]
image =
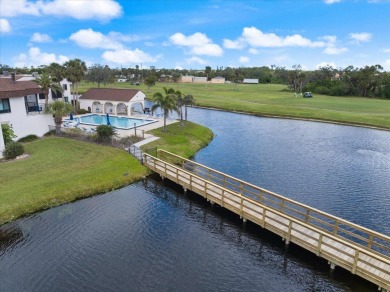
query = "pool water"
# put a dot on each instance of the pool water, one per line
(115, 121)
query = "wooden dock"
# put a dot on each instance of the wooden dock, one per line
(359, 250)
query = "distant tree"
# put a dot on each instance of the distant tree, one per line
(74, 72)
(176, 77)
(59, 109)
(207, 71)
(56, 72)
(150, 81)
(46, 83)
(297, 78)
(188, 100)
(167, 103)
(99, 74)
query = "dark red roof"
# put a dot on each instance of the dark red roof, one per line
(113, 94)
(10, 88)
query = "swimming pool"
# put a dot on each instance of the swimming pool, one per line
(115, 121)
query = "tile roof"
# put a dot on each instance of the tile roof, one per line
(9, 88)
(112, 94)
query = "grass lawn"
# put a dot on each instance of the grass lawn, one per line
(183, 141)
(61, 170)
(274, 100)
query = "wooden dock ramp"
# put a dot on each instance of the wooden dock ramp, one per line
(357, 249)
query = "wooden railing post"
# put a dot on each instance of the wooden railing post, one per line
(336, 227)
(319, 245)
(355, 261)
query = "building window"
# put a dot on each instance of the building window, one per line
(56, 95)
(4, 106)
(65, 86)
(41, 96)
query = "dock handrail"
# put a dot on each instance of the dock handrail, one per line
(339, 227)
(358, 260)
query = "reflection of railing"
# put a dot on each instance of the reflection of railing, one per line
(279, 216)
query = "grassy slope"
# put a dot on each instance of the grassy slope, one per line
(273, 100)
(62, 170)
(183, 141)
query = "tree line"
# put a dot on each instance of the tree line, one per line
(367, 81)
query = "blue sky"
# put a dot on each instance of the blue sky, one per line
(192, 34)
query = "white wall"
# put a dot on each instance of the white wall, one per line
(25, 124)
(2, 147)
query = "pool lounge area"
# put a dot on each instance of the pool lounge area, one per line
(144, 123)
(118, 122)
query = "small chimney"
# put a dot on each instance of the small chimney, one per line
(13, 77)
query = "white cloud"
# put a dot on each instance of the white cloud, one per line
(335, 51)
(256, 38)
(325, 64)
(35, 57)
(195, 60)
(88, 38)
(360, 37)
(208, 50)
(4, 25)
(253, 51)
(196, 39)
(331, 1)
(128, 57)
(18, 7)
(386, 50)
(40, 38)
(199, 43)
(243, 59)
(80, 9)
(229, 44)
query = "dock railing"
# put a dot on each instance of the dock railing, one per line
(359, 260)
(348, 231)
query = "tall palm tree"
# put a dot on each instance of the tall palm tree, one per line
(47, 84)
(167, 103)
(59, 109)
(188, 100)
(74, 72)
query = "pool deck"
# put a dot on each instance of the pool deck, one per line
(140, 131)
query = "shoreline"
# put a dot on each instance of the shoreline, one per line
(295, 118)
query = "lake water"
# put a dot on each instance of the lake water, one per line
(150, 236)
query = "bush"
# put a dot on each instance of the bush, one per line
(13, 149)
(105, 132)
(29, 138)
(50, 133)
(8, 133)
(82, 111)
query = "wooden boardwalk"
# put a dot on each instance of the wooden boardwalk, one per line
(359, 250)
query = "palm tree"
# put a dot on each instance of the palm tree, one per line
(166, 102)
(59, 109)
(47, 84)
(74, 72)
(188, 100)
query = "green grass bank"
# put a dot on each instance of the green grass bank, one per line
(275, 100)
(61, 170)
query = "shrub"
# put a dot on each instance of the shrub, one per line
(8, 133)
(82, 111)
(13, 149)
(50, 133)
(105, 132)
(29, 138)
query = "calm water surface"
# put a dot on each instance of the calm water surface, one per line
(151, 237)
